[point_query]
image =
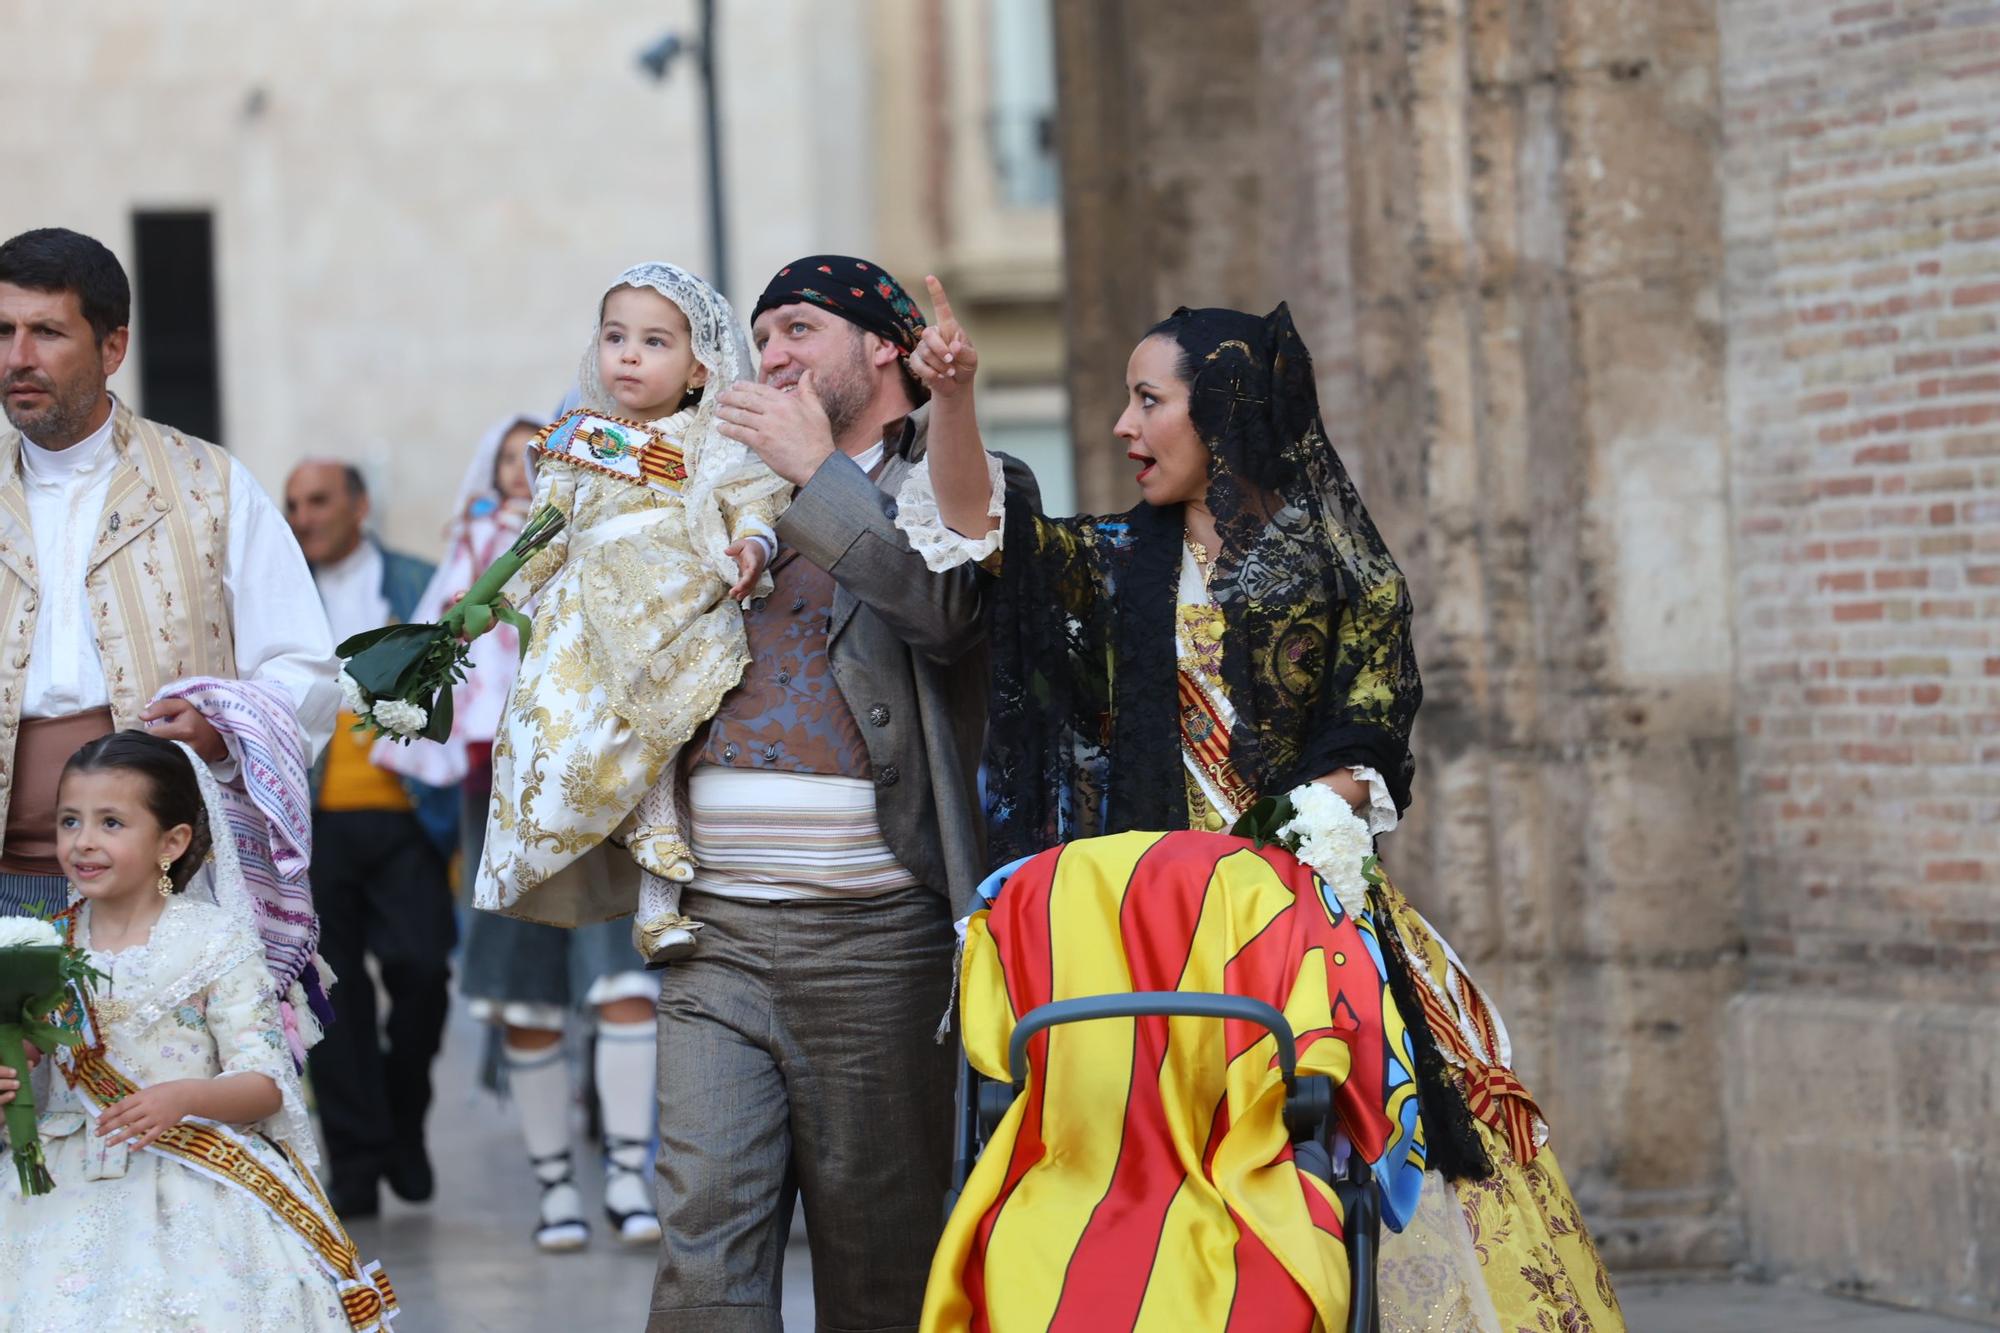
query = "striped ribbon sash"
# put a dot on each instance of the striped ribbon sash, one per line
(1492, 1092)
(615, 446)
(1205, 746)
(271, 1174)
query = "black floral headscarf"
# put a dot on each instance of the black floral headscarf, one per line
(858, 291)
(1319, 662)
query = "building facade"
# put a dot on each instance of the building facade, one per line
(366, 231)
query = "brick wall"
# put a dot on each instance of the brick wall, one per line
(1862, 232)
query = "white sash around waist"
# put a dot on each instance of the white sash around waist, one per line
(616, 528)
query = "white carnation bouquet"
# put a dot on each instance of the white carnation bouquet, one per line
(40, 974)
(1316, 824)
(28, 932)
(398, 679)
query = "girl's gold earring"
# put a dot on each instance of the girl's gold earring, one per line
(166, 879)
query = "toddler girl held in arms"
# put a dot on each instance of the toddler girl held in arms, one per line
(637, 629)
(176, 1133)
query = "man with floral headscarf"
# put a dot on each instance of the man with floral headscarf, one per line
(836, 834)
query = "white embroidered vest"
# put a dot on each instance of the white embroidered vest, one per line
(158, 611)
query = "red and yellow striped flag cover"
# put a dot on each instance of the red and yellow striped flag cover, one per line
(1144, 1180)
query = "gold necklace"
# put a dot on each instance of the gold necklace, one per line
(1203, 561)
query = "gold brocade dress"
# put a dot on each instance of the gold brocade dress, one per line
(1506, 1254)
(635, 643)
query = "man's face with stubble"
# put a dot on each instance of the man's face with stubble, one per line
(792, 339)
(52, 367)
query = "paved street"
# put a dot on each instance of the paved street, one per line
(1742, 1307)
(464, 1264)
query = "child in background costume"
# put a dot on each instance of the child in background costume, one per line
(177, 1135)
(637, 630)
(525, 977)
(488, 513)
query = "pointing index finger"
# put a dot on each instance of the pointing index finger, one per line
(941, 306)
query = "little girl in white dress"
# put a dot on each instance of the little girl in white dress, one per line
(176, 1134)
(637, 630)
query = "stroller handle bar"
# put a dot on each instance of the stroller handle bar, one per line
(1150, 1004)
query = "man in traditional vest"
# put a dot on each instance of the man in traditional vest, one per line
(836, 827)
(382, 844)
(145, 580)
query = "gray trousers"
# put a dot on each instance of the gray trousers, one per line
(797, 1057)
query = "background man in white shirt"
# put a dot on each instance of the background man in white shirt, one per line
(133, 557)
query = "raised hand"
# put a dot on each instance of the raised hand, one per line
(945, 359)
(788, 430)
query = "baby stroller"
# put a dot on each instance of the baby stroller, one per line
(1184, 1102)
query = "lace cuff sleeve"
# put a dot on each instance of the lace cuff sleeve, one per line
(918, 519)
(243, 1017)
(1381, 809)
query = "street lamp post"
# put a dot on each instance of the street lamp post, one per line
(657, 60)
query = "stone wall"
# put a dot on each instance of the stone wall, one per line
(1862, 217)
(1514, 318)
(1663, 337)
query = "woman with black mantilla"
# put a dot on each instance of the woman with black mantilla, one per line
(1241, 631)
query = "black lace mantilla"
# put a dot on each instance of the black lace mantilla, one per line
(1317, 655)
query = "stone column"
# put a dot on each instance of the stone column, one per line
(1497, 221)
(1159, 141)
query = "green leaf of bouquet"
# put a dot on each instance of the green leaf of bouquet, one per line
(486, 588)
(1255, 823)
(362, 642)
(427, 665)
(48, 1036)
(384, 665)
(439, 727)
(1250, 819)
(27, 973)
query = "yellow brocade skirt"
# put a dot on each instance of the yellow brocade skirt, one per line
(1507, 1254)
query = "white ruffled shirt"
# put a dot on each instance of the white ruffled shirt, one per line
(942, 548)
(281, 636)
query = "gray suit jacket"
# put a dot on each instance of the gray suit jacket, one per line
(908, 652)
